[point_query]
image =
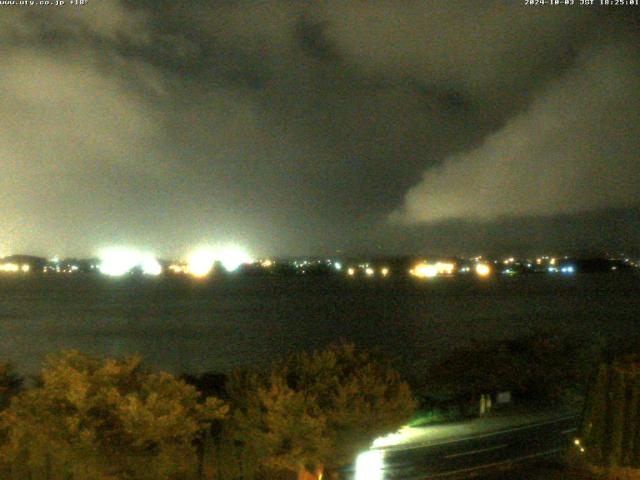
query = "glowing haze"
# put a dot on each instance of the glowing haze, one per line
(118, 261)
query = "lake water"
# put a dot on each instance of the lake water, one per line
(187, 326)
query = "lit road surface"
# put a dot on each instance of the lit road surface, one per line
(469, 455)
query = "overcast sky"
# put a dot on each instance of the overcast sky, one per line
(315, 127)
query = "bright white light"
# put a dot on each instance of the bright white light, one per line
(9, 267)
(25, 268)
(150, 266)
(445, 268)
(338, 266)
(483, 270)
(351, 272)
(200, 263)
(370, 465)
(424, 270)
(118, 261)
(232, 257)
(369, 271)
(384, 271)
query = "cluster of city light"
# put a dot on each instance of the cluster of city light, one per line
(117, 261)
(56, 266)
(367, 270)
(547, 264)
(311, 265)
(546, 260)
(61, 269)
(430, 270)
(11, 267)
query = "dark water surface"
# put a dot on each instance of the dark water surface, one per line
(182, 325)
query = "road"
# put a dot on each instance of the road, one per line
(464, 456)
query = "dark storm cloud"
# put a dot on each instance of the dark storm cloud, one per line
(299, 127)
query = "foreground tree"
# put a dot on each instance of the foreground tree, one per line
(317, 411)
(105, 419)
(611, 422)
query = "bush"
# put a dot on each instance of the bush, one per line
(541, 367)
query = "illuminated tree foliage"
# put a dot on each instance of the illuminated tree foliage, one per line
(104, 419)
(318, 409)
(611, 427)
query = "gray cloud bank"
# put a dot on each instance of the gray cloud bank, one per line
(575, 148)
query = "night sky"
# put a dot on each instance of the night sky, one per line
(298, 127)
